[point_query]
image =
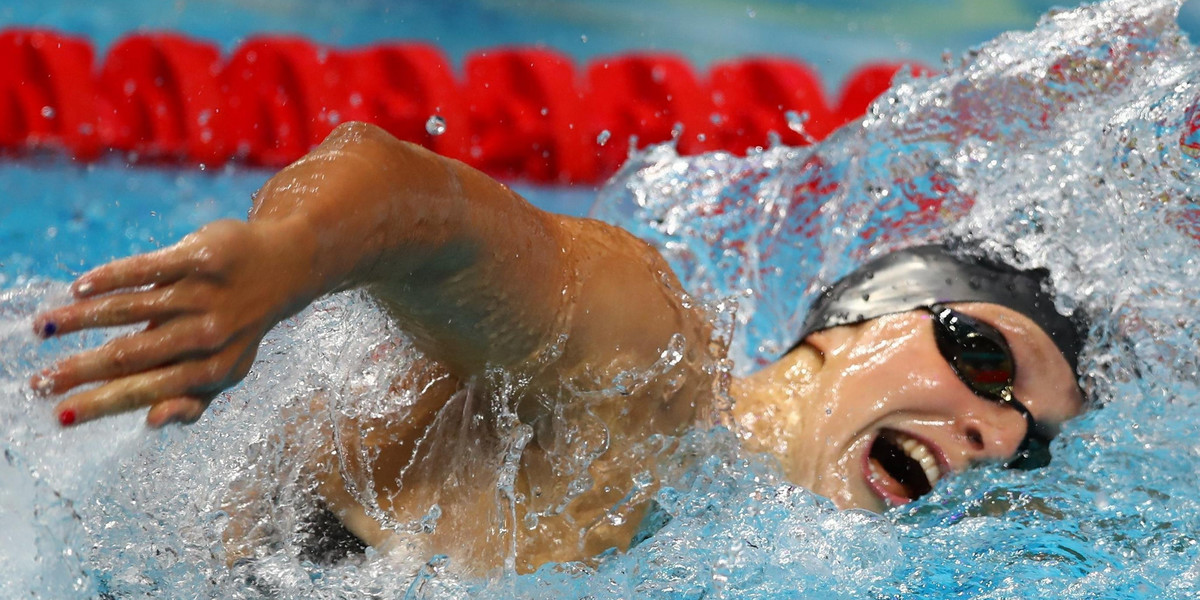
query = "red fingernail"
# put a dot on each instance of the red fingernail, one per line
(66, 417)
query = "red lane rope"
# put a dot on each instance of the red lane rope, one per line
(515, 112)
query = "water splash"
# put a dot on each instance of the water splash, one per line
(1071, 146)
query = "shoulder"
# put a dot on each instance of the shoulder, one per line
(626, 306)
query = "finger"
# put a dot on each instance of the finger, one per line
(117, 358)
(108, 311)
(161, 266)
(186, 410)
(130, 393)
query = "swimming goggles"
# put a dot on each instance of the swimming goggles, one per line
(982, 359)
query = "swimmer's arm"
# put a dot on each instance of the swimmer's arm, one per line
(476, 274)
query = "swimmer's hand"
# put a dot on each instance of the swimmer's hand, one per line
(207, 302)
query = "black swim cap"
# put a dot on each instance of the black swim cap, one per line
(923, 275)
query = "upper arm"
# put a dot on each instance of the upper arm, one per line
(523, 285)
(627, 304)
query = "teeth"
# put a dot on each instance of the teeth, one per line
(920, 453)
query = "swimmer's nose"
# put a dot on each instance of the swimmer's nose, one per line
(992, 436)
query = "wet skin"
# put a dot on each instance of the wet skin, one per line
(848, 384)
(480, 279)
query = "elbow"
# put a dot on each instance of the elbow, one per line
(357, 131)
(370, 142)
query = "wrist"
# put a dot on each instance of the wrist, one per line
(292, 264)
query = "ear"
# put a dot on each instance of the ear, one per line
(830, 340)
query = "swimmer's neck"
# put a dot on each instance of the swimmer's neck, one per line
(771, 406)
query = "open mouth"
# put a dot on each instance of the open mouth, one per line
(901, 468)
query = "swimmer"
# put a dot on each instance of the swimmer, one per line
(915, 367)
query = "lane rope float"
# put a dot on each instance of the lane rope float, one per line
(513, 112)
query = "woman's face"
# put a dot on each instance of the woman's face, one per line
(872, 415)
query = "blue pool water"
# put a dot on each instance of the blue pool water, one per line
(1069, 143)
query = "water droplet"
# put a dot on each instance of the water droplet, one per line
(602, 139)
(624, 383)
(796, 120)
(435, 125)
(583, 38)
(48, 112)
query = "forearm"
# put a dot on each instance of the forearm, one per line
(358, 197)
(470, 268)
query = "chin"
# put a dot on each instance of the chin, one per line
(848, 488)
(861, 498)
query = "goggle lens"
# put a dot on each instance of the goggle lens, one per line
(981, 358)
